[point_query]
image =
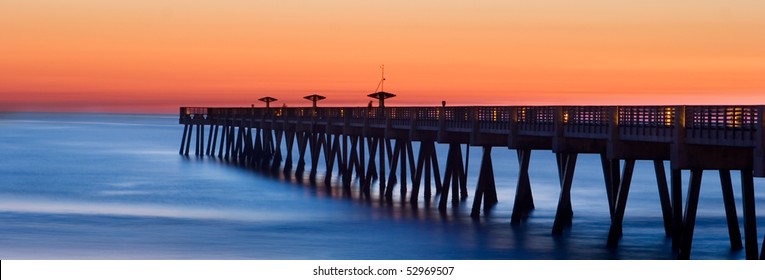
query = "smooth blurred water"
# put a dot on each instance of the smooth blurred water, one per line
(102, 186)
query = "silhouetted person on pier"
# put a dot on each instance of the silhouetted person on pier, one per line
(443, 103)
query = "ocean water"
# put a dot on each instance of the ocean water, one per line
(103, 186)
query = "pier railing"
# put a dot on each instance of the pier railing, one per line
(708, 125)
(716, 125)
(646, 123)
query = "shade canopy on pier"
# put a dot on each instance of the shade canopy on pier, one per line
(268, 100)
(381, 96)
(314, 98)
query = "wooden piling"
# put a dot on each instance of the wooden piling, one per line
(417, 176)
(610, 181)
(615, 232)
(393, 166)
(208, 151)
(188, 139)
(183, 138)
(666, 205)
(381, 173)
(691, 204)
(223, 140)
(564, 213)
(214, 130)
(289, 144)
(485, 191)
(734, 233)
(524, 201)
(676, 177)
(302, 142)
(750, 222)
(202, 140)
(276, 161)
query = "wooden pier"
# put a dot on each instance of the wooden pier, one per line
(376, 144)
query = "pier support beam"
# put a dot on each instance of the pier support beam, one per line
(612, 178)
(439, 184)
(214, 140)
(229, 140)
(183, 139)
(332, 154)
(412, 168)
(750, 223)
(485, 190)
(223, 140)
(394, 160)
(464, 172)
(361, 172)
(200, 140)
(417, 175)
(730, 210)
(314, 144)
(242, 149)
(691, 205)
(231, 147)
(423, 169)
(402, 185)
(188, 139)
(289, 143)
(564, 214)
(381, 174)
(249, 149)
(452, 175)
(210, 140)
(350, 161)
(366, 186)
(302, 143)
(615, 232)
(524, 201)
(276, 160)
(621, 193)
(666, 205)
(428, 163)
(676, 178)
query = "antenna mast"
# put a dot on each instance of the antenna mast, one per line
(381, 84)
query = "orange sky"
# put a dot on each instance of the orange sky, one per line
(153, 56)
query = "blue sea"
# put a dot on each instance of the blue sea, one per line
(108, 186)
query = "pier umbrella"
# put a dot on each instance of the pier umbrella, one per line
(381, 96)
(268, 100)
(315, 98)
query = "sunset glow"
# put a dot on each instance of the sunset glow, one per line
(154, 56)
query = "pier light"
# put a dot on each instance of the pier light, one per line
(734, 114)
(268, 100)
(668, 116)
(565, 117)
(381, 96)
